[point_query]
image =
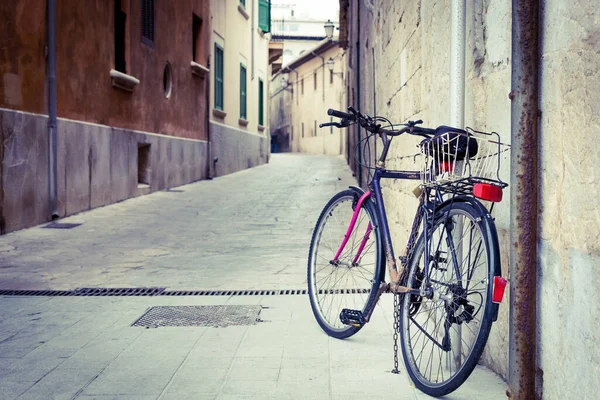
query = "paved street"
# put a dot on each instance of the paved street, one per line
(248, 230)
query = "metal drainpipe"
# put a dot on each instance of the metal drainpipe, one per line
(457, 111)
(358, 166)
(252, 39)
(524, 199)
(457, 63)
(52, 120)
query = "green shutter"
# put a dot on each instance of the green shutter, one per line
(260, 102)
(264, 15)
(218, 77)
(243, 113)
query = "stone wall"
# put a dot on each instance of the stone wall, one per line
(236, 149)
(402, 72)
(569, 216)
(97, 165)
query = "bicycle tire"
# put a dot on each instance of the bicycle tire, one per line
(452, 305)
(354, 287)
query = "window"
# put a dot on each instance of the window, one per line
(243, 113)
(243, 3)
(168, 80)
(120, 37)
(303, 129)
(330, 77)
(292, 132)
(315, 76)
(264, 15)
(260, 102)
(218, 77)
(315, 131)
(196, 38)
(302, 82)
(148, 22)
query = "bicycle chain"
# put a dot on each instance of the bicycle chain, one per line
(404, 261)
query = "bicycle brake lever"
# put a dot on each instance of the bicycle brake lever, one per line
(336, 124)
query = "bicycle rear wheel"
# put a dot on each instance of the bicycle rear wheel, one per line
(352, 281)
(444, 332)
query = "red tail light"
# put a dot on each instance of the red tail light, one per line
(487, 191)
(498, 291)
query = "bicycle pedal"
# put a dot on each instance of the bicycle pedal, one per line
(352, 317)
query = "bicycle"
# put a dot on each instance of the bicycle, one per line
(449, 286)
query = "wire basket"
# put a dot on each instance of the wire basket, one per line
(457, 160)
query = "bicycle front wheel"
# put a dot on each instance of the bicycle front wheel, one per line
(443, 332)
(350, 281)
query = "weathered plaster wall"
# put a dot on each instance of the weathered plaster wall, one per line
(85, 55)
(569, 230)
(310, 108)
(411, 46)
(98, 167)
(236, 149)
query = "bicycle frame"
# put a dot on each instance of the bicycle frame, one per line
(375, 190)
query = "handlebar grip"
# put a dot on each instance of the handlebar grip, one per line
(339, 114)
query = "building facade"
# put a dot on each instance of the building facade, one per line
(239, 127)
(130, 108)
(303, 91)
(402, 71)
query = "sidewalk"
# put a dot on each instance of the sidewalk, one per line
(249, 230)
(86, 348)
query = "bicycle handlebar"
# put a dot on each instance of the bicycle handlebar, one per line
(370, 124)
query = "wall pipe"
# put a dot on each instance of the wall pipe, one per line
(457, 63)
(52, 119)
(457, 110)
(524, 199)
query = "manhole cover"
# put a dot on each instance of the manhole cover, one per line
(215, 316)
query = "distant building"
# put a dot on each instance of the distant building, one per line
(239, 128)
(135, 86)
(298, 33)
(302, 92)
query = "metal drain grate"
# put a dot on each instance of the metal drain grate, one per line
(156, 291)
(60, 225)
(233, 292)
(213, 316)
(118, 291)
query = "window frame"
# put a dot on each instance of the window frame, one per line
(219, 70)
(148, 23)
(243, 92)
(261, 101)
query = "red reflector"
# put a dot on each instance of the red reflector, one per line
(498, 292)
(487, 191)
(446, 166)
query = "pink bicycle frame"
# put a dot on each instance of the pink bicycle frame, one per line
(359, 204)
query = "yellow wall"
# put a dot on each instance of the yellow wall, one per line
(233, 32)
(310, 104)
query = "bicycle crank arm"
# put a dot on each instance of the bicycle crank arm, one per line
(395, 287)
(357, 317)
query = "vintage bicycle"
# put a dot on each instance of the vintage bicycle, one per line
(448, 286)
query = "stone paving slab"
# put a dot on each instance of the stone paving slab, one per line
(287, 356)
(248, 230)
